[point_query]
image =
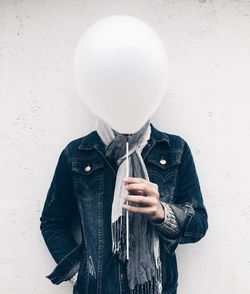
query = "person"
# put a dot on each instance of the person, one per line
(162, 197)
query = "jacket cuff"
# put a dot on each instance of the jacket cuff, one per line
(67, 266)
(183, 214)
(172, 235)
(169, 225)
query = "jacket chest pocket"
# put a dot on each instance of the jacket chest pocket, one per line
(162, 169)
(88, 178)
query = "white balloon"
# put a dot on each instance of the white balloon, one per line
(121, 71)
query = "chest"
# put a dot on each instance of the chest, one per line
(94, 175)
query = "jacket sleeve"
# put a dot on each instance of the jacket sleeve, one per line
(169, 225)
(190, 212)
(55, 223)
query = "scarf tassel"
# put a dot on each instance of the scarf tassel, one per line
(150, 287)
(119, 247)
(119, 239)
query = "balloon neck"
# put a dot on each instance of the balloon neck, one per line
(127, 137)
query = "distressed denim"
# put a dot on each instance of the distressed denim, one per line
(83, 184)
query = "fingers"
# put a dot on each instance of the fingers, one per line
(137, 192)
(141, 200)
(148, 205)
(134, 180)
(148, 187)
(149, 210)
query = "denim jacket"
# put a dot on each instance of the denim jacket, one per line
(83, 184)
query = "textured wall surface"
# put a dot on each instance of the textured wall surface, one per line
(207, 103)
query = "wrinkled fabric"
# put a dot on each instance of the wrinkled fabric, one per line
(76, 189)
(143, 265)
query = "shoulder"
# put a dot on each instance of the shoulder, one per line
(175, 141)
(177, 144)
(73, 147)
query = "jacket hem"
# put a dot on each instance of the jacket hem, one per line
(67, 266)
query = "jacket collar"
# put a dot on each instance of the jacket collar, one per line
(93, 140)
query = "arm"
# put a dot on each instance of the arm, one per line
(59, 207)
(189, 209)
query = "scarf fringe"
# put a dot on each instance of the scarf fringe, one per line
(119, 248)
(150, 287)
(119, 240)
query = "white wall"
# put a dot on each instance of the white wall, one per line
(207, 103)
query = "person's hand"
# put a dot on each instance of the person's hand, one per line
(146, 195)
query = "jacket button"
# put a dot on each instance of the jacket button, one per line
(163, 161)
(122, 275)
(87, 168)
